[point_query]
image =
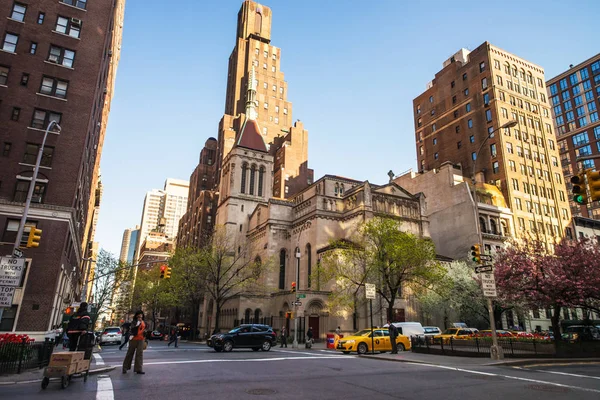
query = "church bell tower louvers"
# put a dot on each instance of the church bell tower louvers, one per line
(286, 141)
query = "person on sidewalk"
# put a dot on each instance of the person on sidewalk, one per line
(173, 336)
(393, 336)
(137, 340)
(283, 337)
(79, 323)
(309, 338)
(125, 328)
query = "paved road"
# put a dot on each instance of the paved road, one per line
(195, 371)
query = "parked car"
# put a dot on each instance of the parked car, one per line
(409, 329)
(111, 335)
(156, 335)
(455, 333)
(361, 341)
(582, 333)
(431, 331)
(252, 336)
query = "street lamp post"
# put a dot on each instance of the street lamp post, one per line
(297, 275)
(32, 185)
(495, 351)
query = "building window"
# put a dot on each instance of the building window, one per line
(457, 128)
(454, 100)
(6, 149)
(252, 178)
(512, 165)
(78, 3)
(488, 115)
(472, 139)
(484, 84)
(22, 189)
(31, 153)
(431, 99)
(68, 26)
(54, 87)
(244, 171)
(434, 141)
(470, 123)
(33, 48)
(18, 12)
(473, 156)
(10, 42)
(41, 17)
(452, 84)
(482, 66)
(24, 79)
(466, 92)
(309, 264)
(464, 76)
(282, 257)
(435, 155)
(468, 107)
(16, 113)
(486, 99)
(458, 144)
(261, 176)
(493, 150)
(496, 167)
(62, 56)
(41, 118)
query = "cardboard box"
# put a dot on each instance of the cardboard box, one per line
(60, 370)
(66, 358)
(83, 365)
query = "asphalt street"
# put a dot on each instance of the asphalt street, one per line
(196, 371)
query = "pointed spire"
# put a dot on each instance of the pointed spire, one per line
(251, 102)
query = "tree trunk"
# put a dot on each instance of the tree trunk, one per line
(555, 325)
(217, 318)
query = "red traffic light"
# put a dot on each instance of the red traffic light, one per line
(163, 268)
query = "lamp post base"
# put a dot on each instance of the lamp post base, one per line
(496, 353)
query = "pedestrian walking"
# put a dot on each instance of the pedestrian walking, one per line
(338, 331)
(283, 337)
(137, 342)
(126, 329)
(79, 324)
(393, 335)
(309, 338)
(173, 336)
(65, 340)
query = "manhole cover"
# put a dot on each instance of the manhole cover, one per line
(548, 388)
(261, 392)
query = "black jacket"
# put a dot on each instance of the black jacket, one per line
(393, 331)
(79, 322)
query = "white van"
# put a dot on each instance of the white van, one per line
(409, 329)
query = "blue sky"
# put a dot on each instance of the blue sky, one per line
(352, 67)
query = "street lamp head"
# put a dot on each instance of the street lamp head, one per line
(509, 124)
(53, 125)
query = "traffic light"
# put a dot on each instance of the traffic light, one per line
(476, 253)
(288, 315)
(69, 310)
(168, 273)
(163, 271)
(578, 190)
(34, 237)
(293, 287)
(593, 180)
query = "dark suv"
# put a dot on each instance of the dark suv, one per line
(252, 336)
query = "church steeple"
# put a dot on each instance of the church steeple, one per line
(251, 102)
(250, 136)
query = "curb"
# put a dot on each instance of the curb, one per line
(536, 361)
(92, 372)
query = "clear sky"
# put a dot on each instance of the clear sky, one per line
(352, 67)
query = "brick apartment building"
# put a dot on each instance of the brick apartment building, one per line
(460, 118)
(58, 61)
(574, 97)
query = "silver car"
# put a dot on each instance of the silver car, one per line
(111, 335)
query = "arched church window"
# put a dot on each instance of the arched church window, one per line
(482, 224)
(261, 177)
(493, 227)
(342, 190)
(282, 269)
(252, 178)
(308, 264)
(244, 170)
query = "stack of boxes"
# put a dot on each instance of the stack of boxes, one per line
(73, 362)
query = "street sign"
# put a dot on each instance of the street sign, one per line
(297, 303)
(17, 253)
(489, 293)
(485, 257)
(6, 296)
(484, 268)
(301, 295)
(11, 270)
(370, 290)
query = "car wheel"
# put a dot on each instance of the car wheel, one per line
(218, 349)
(266, 346)
(228, 346)
(362, 348)
(400, 347)
(255, 348)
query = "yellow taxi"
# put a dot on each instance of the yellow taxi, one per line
(361, 341)
(454, 333)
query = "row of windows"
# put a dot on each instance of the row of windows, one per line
(518, 73)
(534, 190)
(40, 119)
(582, 138)
(253, 180)
(56, 54)
(540, 228)
(575, 78)
(521, 89)
(31, 152)
(49, 86)
(65, 25)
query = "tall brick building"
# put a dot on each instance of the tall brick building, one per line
(574, 97)
(58, 61)
(459, 118)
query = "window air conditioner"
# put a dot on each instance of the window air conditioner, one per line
(75, 21)
(53, 59)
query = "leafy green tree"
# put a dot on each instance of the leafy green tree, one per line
(152, 293)
(382, 254)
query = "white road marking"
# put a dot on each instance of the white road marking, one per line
(105, 388)
(98, 358)
(507, 377)
(567, 374)
(243, 360)
(310, 353)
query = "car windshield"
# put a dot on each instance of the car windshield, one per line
(363, 332)
(450, 331)
(235, 330)
(431, 330)
(111, 330)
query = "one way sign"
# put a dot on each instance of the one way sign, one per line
(484, 268)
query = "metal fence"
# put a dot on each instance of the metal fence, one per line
(513, 348)
(17, 357)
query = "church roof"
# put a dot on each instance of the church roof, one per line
(250, 136)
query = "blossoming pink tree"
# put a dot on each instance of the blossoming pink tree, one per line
(568, 276)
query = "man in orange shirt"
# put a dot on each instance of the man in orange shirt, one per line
(137, 339)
